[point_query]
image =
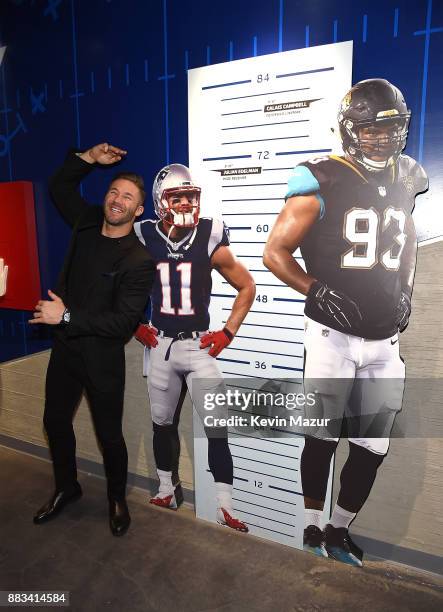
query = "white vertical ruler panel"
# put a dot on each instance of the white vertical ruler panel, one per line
(250, 122)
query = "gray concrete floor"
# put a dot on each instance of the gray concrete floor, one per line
(172, 561)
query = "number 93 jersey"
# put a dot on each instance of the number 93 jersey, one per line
(356, 244)
(181, 292)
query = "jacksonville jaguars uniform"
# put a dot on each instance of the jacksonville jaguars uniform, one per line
(357, 243)
(356, 247)
(180, 311)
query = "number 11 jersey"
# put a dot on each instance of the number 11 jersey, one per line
(181, 292)
(356, 245)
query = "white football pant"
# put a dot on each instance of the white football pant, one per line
(359, 379)
(189, 364)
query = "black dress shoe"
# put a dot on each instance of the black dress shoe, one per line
(119, 519)
(56, 504)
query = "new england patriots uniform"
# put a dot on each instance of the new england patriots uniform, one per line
(181, 293)
(182, 354)
(180, 306)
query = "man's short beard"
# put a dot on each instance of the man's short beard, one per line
(124, 219)
(121, 221)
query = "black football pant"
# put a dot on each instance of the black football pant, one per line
(66, 379)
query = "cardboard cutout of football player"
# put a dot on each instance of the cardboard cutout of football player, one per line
(351, 217)
(185, 248)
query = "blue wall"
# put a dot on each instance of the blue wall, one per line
(78, 72)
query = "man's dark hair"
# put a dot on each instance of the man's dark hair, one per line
(137, 179)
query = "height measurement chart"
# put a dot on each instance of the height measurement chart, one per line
(250, 122)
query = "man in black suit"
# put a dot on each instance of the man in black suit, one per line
(102, 291)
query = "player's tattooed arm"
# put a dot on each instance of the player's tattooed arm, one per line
(232, 270)
(293, 223)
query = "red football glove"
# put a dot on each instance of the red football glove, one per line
(217, 340)
(146, 334)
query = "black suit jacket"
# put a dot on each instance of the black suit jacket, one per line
(105, 317)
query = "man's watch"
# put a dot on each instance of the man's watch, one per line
(66, 317)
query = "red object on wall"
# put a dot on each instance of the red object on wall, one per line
(18, 246)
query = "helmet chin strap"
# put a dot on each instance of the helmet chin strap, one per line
(170, 245)
(369, 164)
(168, 237)
(375, 166)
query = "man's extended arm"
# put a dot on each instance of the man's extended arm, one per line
(63, 185)
(120, 322)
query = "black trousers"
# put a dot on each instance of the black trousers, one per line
(66, 379)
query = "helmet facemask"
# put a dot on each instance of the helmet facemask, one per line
(180, 218)
(375, 145)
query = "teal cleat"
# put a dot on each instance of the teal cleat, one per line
(340, 547)
(313, 541)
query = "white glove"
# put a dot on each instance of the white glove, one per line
(3, 277)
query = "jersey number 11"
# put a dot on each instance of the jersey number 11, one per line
(185, 308)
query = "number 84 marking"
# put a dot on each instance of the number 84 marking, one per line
(361, 229)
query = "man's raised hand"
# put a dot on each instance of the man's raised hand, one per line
(104, 154)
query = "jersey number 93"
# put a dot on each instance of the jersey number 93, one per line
(362, 227)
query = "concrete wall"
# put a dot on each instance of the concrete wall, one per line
(405, 505)
(22, 392)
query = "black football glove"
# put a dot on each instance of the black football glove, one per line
(336, 305)
(403, 311)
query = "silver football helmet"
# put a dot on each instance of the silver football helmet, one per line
(176, 180)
